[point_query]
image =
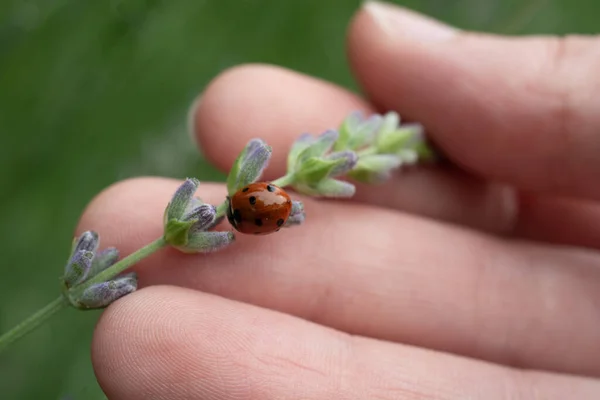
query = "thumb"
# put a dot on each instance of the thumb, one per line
(523, 111)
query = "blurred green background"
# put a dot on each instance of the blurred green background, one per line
(92, 92)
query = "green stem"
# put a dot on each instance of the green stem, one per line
(369, 151)
(32, 322)
(125, 263)
(284, 181)
(221, 209)
(49, 310)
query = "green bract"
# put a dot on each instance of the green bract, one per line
(375, 168)
(312, 166)
(187, 220)
(355, 132)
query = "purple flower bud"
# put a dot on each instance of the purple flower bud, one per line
(356, 131)
(103, 294)
(249, 165)
(299, 145)
(205, 242)
(182, 197)
(103, 260)
(350, 159)
(255, 161)
(78, 268)
(88, 241)
(375, 168)
(408, 156)
(215, 222)
(297, 215)
(297, 207)
(327, 188)
(204, 215)
(321, 145)
(335, 188)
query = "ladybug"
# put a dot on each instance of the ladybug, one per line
(260, 208)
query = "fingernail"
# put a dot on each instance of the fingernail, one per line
(400, 22)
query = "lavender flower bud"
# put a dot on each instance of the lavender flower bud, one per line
(103, 260)
(297, 214)
(249, 165)
(203, 215)
(78, 267)
(408, 156)
(215, 223)
(88, 241)
(303, 141)
(375, 168)
(327, 188)
(335, 188)
(205, 242)
(346, 160)
(103, 294)
(182, 197)
(356, 131)
(319, 146)
(186, 214)
(392, 138)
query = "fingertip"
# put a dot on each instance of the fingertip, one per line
(122, 340)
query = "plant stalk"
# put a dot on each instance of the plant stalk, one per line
(32, 322)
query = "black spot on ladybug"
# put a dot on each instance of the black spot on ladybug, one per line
(252, 200)
(277, 230)
(257, 222)
(280, 222)
(245, 189)
(237, 215)
(270, 188)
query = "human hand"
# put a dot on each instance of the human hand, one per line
(440, 284)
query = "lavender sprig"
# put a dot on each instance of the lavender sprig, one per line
(363, 149)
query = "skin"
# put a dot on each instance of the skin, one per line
(439, 284)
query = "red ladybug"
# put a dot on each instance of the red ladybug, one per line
(259, 208)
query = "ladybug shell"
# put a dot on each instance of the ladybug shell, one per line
(259, 208)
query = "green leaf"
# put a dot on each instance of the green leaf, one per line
(176, 232)
(327, 188)
(321, 145)
(315, 169)
(390, 123)
(425, 152)
(335, 188)
(303, 141)
(393, 141)
(375, 168)
(347, 128)
(204, 242)
(365, 133)
(235, 171)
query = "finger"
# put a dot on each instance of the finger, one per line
(559, 220)
(377, 273)
(166, 342)
(519, 110)
(278, 105)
